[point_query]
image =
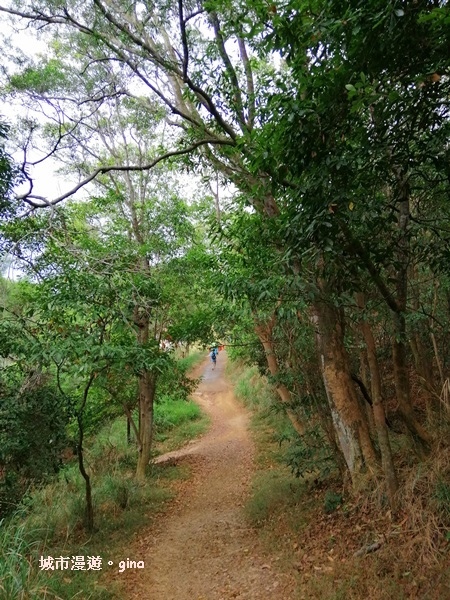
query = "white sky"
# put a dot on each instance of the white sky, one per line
(46, 181)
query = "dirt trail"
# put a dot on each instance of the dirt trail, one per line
(202, 548)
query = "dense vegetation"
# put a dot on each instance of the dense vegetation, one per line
(274, 175)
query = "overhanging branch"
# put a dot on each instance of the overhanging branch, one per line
(120, 168)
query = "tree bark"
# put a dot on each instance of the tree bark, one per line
(147, 389)
(264, 333)
(327, 425)
(89, 507)
(378, 408)
(420, 437)
(349, 421)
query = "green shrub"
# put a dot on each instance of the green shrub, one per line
(175, 383)
(32, 434)
(311, 453)
(332, 501)
(442, 499)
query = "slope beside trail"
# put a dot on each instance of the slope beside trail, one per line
(202, 548)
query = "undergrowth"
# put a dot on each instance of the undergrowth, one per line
(321, 534)
(49, 522)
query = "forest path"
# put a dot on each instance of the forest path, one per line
(202, 548)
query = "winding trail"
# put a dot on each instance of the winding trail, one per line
(202, 547)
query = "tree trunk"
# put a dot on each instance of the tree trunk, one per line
(365, 381)
(422, 358)
(327, 425)
(349, 421)
(147, 389)
(264, 333)
(128, 431)
(89, 507)
(420, 437)
(378, 409)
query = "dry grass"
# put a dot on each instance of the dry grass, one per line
(412, 561)
(319, 528)
(445, 397)
(425, 501)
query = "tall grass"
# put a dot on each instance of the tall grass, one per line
(269, 421)
(189, 362)
(252, 389)
(176, 422)
(170, 413)
(19, 578)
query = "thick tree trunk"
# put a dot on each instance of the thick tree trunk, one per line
(147, 389)
(327, 425)
(378, 409)
(349, 420)
(264, 333)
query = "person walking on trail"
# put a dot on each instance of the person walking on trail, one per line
(213, 356)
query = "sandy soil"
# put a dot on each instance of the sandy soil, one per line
(202, 547)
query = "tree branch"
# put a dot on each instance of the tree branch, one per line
(102, 170)
(359, 249)
(170, 68)
(229, 69)
(250, 84)
(133, 425)
(183, 40)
